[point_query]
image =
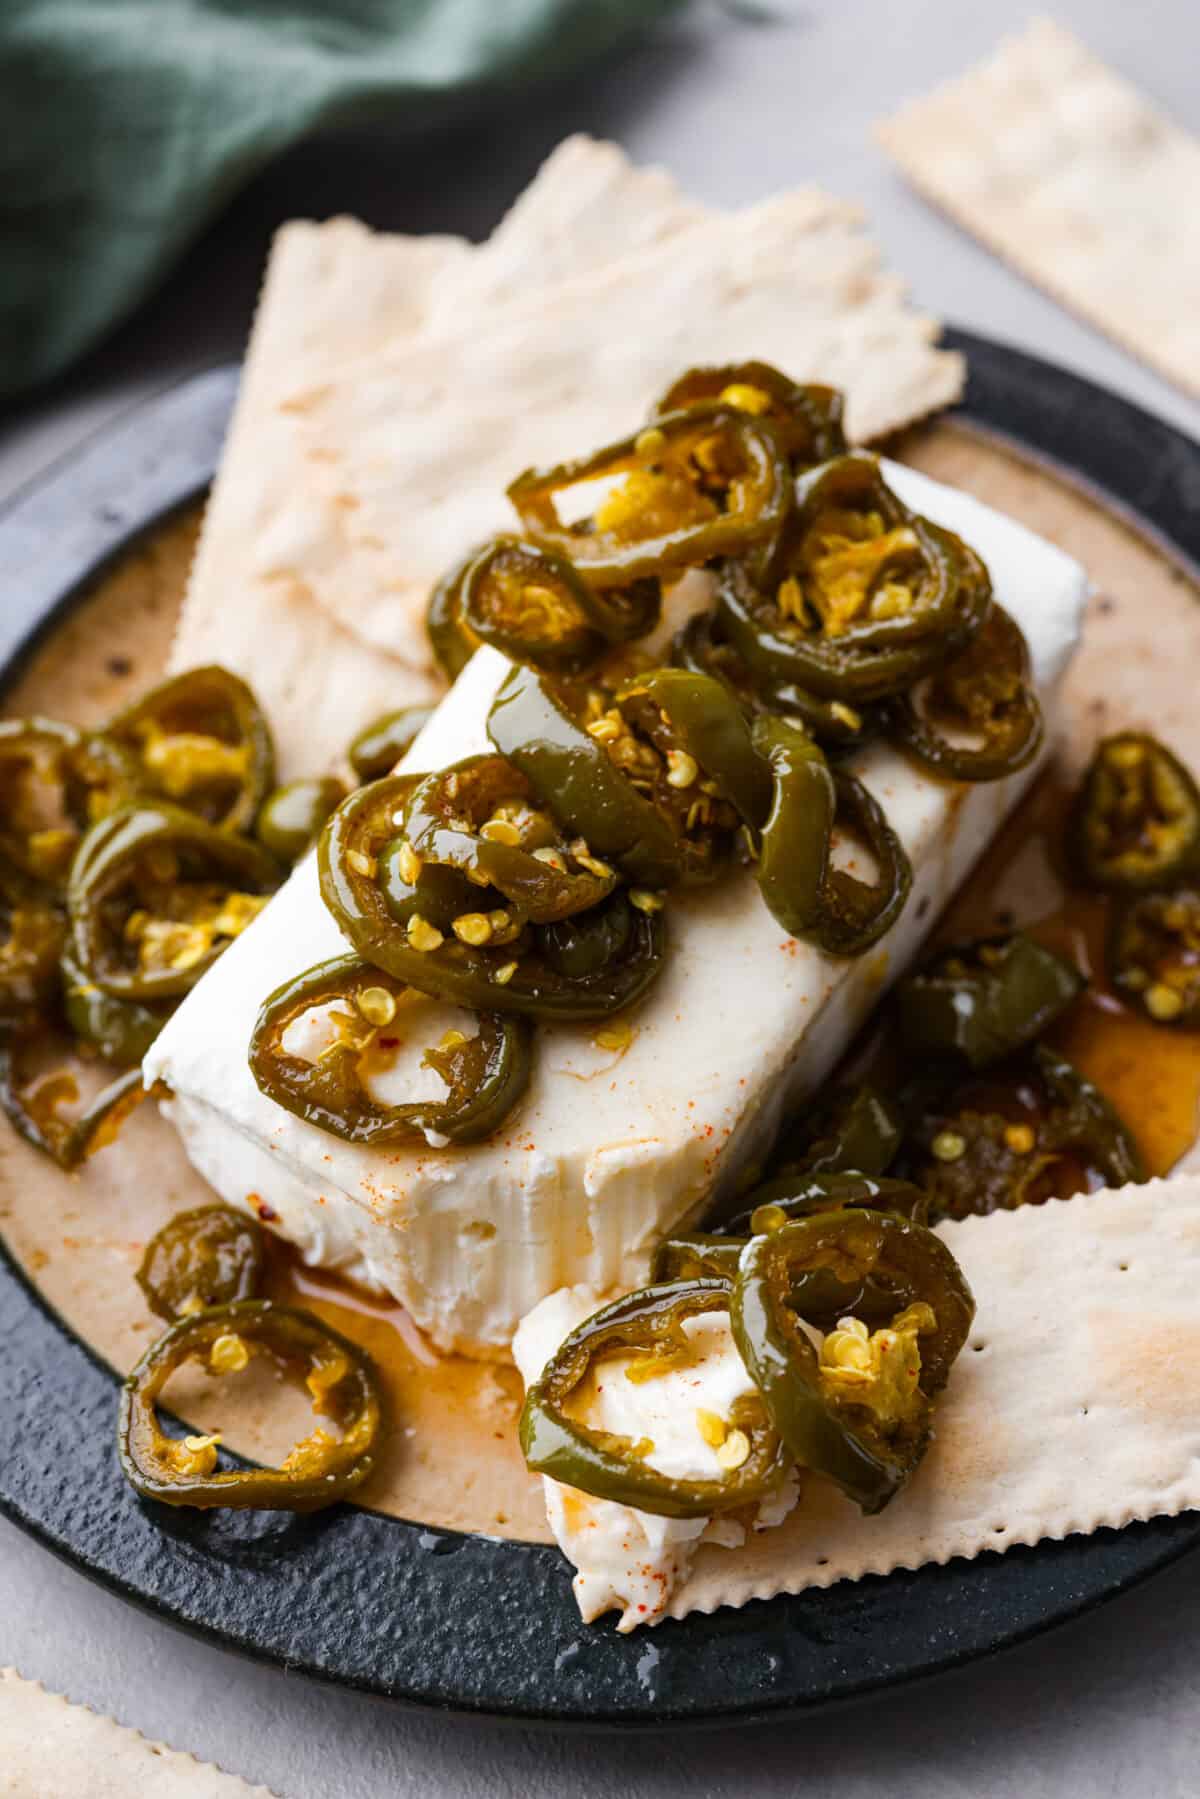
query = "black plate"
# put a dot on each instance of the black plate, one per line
(464, 1622)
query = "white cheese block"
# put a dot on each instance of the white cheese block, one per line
(628, 1560)
(609, 1149)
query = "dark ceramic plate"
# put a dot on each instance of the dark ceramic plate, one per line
(463, 1622)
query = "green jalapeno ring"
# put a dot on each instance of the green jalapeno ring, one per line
(452, 643)
(383, 743)
(90, 775)
(590, 1460)
(1153, 955)
(1135, 823)
(802, 1194)
(856, 1128)
(69, 1142)
(210, 1255)
(867, 1461)
(110, 860)
(764, 499)
(807, 416)
(695, 1256)
(572, 774)
(854, 914)
(710, 726)
(985, 689)
(793, 856)
(552, 626)
(487, 1074)
(290, 818)
(323, 1472)
(33, 931)
(121, 1029)
(169, 729)
(981, 1001)
(448, 820)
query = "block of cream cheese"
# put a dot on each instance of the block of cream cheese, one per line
(624, 1559)
(611, 1147)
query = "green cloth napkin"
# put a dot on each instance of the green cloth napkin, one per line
(127, 124)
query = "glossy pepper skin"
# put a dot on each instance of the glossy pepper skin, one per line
(532, 725)
(1153, 954)
(860, 597)
(150, 856)
(802, 1195)
(705, 722)
(1020, 1133)
(486, 1074)
(290, 818)
(856, 1127)
(869, 1456)
(381, 744)
(707, 481)
(34, 1111)
(554, 1444)
(480, 817)
(319, 1471)
(984, 692)
(1135, 824)
(121, 1029)
(807, 417)
(209, 1256)
(523, 973)
(55, 781)
(982, 1001)
(202, 741)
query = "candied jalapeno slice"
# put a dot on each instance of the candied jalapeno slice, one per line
(452, 643)
(156, 895)
(32, 932)
(1135, 823)
(320, 1038)
(701, 723)
(121, 1029)
(847, 1127)
(704, 482)
(34, 1108)
(1023, 1132)
(55, 781)
(386, 740)
(695, 1256)
(981, 1001)
(480, 816)
(531, 603)
(320, 1470)
(649, 1323)
(977, 717)
(541, 727)
(1154, 954)
(290, 818)
(807, 417)
(208, 1256)
(202, 741)
(859, 1409)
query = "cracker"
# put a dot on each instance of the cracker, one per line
(51, 1749)
(335, 290)
(1070, 174)
(1073, 1406)
(409, 454)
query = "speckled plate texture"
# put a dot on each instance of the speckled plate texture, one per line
(471, 1623)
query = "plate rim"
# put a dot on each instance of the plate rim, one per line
(525, 1659)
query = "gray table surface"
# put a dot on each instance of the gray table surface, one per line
(737, 104)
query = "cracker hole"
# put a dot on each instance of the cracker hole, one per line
(979, 1348)
(1123, 1267)
(999, 1529)
(822, 1561)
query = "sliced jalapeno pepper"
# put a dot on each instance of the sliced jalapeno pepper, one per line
(202, 740)
(703, 721)
(479, 816)
(800, 1194)
(977, 717)
(708, 481)
(156, 894)
(860, 1409)
(1136, 820)
(32, 932)
(856, 1128)
(533, 724)
(34, 1109)
(121, 1029)
(861, 597)
(209, 1256)
(610, 1467)
(695, 1256)
(806, 416)
(1025, 1132)
(1154, 955)
(290, 819)
(983, 1000)
(319, 1471)
(385, 741)
(55, 781)
(325, 1077)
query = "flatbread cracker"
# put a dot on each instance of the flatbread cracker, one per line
(52, 1749)
(1075, 1405)
(1070, 174)
(409, 454)
(335, 290)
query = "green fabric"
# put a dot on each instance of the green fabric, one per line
(127, 124)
